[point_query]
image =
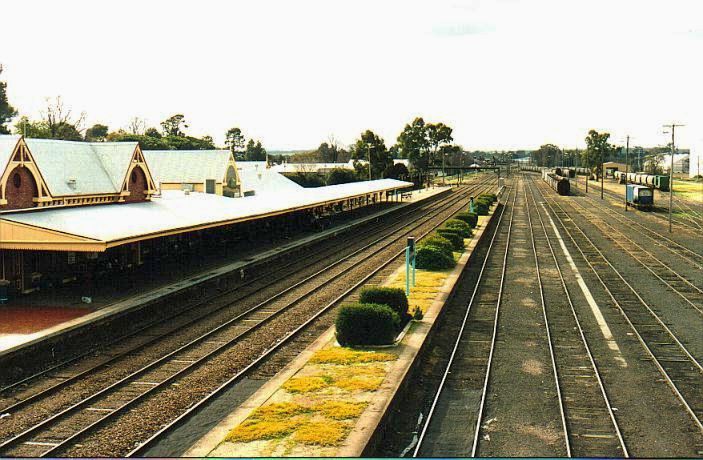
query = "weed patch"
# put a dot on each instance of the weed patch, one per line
(341, 355)
(306, 384)
(328, 433)
(255, 430)
(340, 410)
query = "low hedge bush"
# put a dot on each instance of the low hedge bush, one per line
(459, 225)
(439, 242)
(490, 196)
(481, 207)
(366, 324)
(392, 297)
(432, 258)
(470, 218)
(454, 236)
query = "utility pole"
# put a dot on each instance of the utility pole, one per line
(602, 174)
(673, 127)
(627, 166)
(588, 168)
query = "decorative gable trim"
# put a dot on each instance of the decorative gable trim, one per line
(22, 157)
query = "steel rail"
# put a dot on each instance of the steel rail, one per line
(669, 380)
(682, 223)
(484, 392)
(452, 356)
(587, 348)
(116, 386)
(115, 358)
(555, 371)
(693, 257)
(592, 218)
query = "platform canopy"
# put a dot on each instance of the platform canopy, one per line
(96, 228)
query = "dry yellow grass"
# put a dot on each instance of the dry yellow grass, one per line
(340, 410)
(359, 383)
(341, 355)
(279, 410)
(427, 285)
(306, 384)
(256, 430)
(327, 433)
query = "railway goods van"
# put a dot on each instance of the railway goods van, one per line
(532, 168)
(654, 181)
(639, 196)
(559, 183)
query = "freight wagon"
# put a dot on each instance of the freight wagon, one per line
(559, 183)
(650, 180)
(639, 196)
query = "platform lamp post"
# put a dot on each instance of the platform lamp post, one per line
(673, 127)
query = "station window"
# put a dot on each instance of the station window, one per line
(17, 180)
(134, 176)
(71, 258)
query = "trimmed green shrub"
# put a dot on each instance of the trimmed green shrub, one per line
(454, 236)
(432, 258)
(392, 297)
(470, 218)
(459, 225)
(438, 241)
(490, 196)
(481, 207)
(366, 324)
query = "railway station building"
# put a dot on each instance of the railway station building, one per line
(80, 212)
(204, 171)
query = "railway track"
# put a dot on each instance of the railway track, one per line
(468, 368)
(687, 255)
(683, 287)
(677, 366)
(56, 434)
(591, 429)
(683, 220)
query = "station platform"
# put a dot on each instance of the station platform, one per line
(31, 320)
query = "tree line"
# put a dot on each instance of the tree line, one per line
(598, 147)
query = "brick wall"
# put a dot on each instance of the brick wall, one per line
(20, 189)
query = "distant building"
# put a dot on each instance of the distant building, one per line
(681, 163)
(205, 171)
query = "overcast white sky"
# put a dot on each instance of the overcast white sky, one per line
(504, 74)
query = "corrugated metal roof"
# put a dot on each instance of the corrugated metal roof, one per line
(8, 142)
(115, 158)
(187, 166)
(311, 167)
(256, 177)
(176, 211)
(96, 167)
